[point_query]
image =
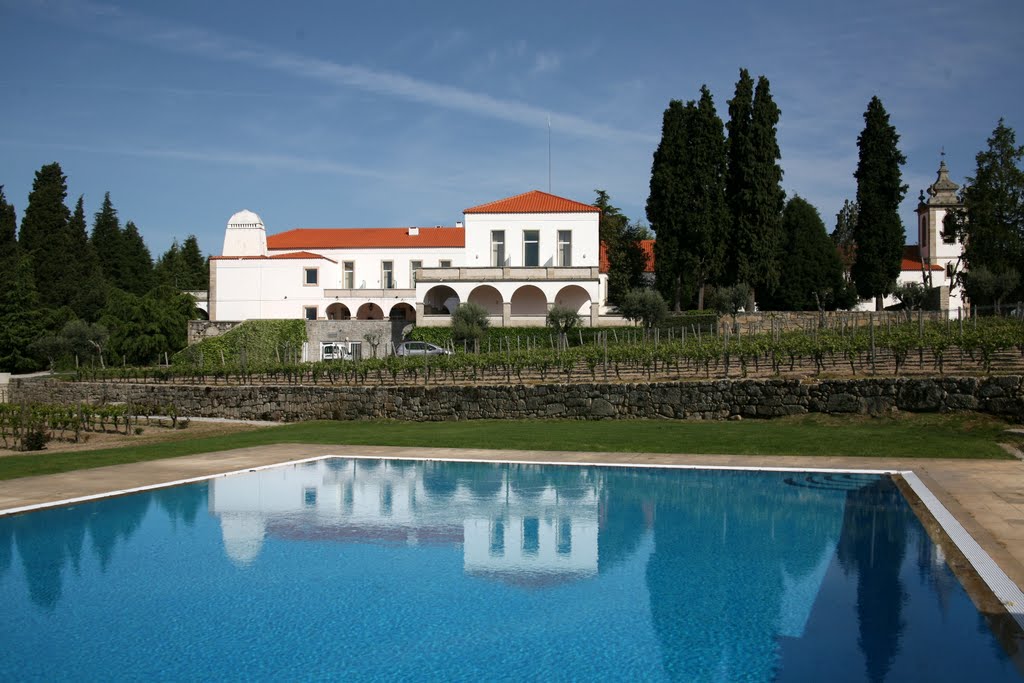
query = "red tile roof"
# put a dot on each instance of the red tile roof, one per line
(534, 201)
(912, 259)
(646, 246)
(367, 238)
(297, 255)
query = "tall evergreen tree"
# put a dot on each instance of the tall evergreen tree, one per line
(136, 274)
(842, 235)
(754, 188)
(169, 269)
(107, 242)
(89, 294)
(20, 319)
(879, 230)
(811, 276)
(664, 204)
(8, 239)
(705, 215)
(44, 235)
(198, 271)
(620, 241)
(739, 184)
(990, 224)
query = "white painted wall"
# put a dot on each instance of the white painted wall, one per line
(368, 270)
(584, 228)
(248, 288)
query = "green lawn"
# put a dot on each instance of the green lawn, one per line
(946, 436)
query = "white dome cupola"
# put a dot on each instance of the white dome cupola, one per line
(245, 235)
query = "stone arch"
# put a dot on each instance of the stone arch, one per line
(440, 300)
(338, 311)
(574, 297)
(370, 311)
(402, 311)
(529, 300)
(488, 298)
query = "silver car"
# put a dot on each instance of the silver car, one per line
(418, 348)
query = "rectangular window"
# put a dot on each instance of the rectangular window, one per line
(497, 248)
(310, 312)
(565, 248)
(445, 264)
(413, 267)
(387, 274)
(310, 277)
(309, 496)
(531, 248)
(349, 281)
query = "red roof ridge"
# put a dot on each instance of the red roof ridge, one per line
(297, 255)
(534, 201)
(368, 238)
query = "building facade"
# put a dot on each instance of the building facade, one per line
(517, 257)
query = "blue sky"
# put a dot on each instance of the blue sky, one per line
(338, 114)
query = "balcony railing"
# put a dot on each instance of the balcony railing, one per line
(370, 293)
(498, 274)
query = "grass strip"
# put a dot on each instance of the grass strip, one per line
(968, 436)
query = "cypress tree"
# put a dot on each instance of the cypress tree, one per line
(8, 239)
(137, 266)
(89, 294)
(196, 269)
(169, 270)
(769, 197)
(842, 236)
(20, 319)
(664, 205)
(107, 243)
(44, 235)
(879, 231)
(811, 274)
(739, 185)
(705, 213)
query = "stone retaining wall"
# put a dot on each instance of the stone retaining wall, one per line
(720, 399)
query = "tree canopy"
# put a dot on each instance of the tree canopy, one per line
(878, 232)
(621, 240)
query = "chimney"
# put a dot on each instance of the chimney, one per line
(414, 231)
(458, 224)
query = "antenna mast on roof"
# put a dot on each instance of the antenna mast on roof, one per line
(549, 153)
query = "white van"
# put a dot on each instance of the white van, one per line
(339, 350)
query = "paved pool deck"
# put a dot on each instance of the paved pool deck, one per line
(986, 496)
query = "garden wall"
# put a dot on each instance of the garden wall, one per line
(720, 399)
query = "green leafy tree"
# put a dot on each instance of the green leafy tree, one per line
(44, 236)
(755, 194)
(621, 242)
(986, 286)
(196, 267)
(89, 295)
(878, 232)
(9, 252)
(842, 235)
(469, 322)
(990, 222)
(729, 299)
(665, 203)
(136, 273)
(106, 241)
(143, 328)
(562, 319)
(811, 276)
(705, 213)
(20, 320)
(644, 306)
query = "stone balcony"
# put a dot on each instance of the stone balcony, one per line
(393, 293)
(465, 274)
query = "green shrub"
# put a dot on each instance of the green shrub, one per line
(252, 344)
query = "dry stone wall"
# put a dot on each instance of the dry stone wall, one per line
(712, 400)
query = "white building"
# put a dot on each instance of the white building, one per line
(517, 257)
(932, 261)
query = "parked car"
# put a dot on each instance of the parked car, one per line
(418, 348)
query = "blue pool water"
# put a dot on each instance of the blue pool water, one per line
(371, 569)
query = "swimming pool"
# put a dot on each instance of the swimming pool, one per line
(345, 568)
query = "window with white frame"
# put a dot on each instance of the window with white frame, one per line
(497, 248)
(309, 312)
(387, 274)
(349, 275)
(565, 248)
(531, 248)
(310, 277)
(413, 267)
(445, 264)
